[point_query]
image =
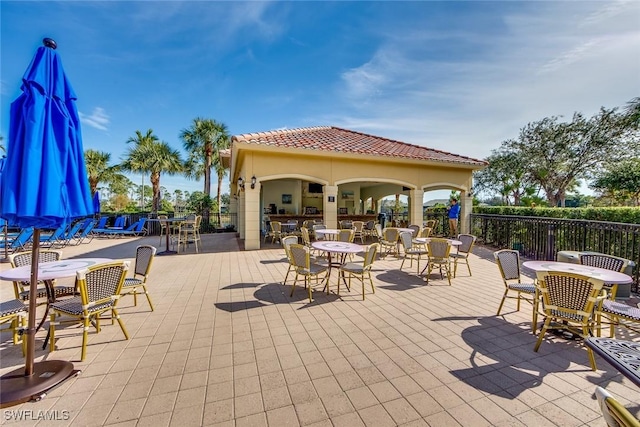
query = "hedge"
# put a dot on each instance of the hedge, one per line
(630, 215)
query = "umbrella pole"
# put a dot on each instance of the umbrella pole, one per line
(35, 380)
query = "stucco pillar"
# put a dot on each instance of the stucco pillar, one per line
(415, 205)
(465, 213)
(252, 217)
(233, 209)
(330, 209)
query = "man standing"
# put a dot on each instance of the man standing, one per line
(454, 212)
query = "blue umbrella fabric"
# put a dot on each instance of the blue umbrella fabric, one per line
(96, 203)
(45, 183)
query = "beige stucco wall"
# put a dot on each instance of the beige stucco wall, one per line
(282, 171)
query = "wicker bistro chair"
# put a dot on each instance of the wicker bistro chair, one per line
(100, 286)
(346, 235)
(189, 232)
(303, 266)
(358, 229)
(608, 262)
(411, 251)
(416, 230)
(569, 300)
(389, 241)
(361, 270)
(21, 289)
(508, 261)
(275, 231)
(14, 313)
(618, 314)
(438, 257)
(138, 283)
(463, 251)
(286, 242)
(613, 412)
(318, 227)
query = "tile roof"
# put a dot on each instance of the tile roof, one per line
(337, 140)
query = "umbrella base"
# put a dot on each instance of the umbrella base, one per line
(16, 388)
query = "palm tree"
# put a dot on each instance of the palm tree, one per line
(204, 140)
(154, 157)
(98, 169)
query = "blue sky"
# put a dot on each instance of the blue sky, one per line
(455, 76)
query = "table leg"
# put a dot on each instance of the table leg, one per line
(326, 285)
(166, 246)
(51, 298)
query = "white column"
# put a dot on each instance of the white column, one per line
(465, 213)
(415, 214)
(241, 214)
(252, 217)
(330, 209)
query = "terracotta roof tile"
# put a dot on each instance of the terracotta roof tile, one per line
(329, 138)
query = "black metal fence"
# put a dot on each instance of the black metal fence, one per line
(542, 238)
(228, 222)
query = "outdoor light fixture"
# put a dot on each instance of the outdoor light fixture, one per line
(253, 182)
(241, 182)
(470, 192)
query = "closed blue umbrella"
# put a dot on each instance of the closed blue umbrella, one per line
(96, 203)
(44, 186)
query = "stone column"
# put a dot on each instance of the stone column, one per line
(465, 212)
(252, 217)
(330, 209)
(241, 214)
(415, 212)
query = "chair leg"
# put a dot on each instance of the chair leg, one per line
(592, 359)
(148, 297)
(536, 304)
(306, 279)
(85, 336)
(468, 266)
(52, 332)
(543, 331)
(504, 297)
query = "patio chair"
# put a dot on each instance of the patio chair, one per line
(14, 313)
(303, 266)
(189, 232)
(389, 241)
(138, 283)
(614, 413)
(431, 224)
(361, 270)
(358, 230)
(438, 257)
(100, 286)
(50, 240)
(463, 251)
(508, 261)
(135, 229)
(569, 301)
(275, 232)
(608, 262)
(411, 251)
(21, 289)
(346, 235)
(86, 233)
(20, 242)
(416, 230)
(377, 232)
(618, 314)
(286, 242)
(70, 235)
(369, 229)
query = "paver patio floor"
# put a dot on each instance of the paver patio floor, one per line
(227, 346)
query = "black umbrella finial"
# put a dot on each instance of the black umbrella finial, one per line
(49, 43)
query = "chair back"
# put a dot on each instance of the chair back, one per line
(425, 232)
(378, 230)
(23, 237)
(102, 223)
(75, 228)
(300, 257)
(568, 295)
(119, 222)
(318, 227)
(608, 262)
(276, 226)
(358, 226)
(346, 235)
(370, 255)
(139, 227)
(102, 283)
(306, 239)
(439, 248)
(508, 261)
(416, 230)
(431, 223)
(288, 241)
(144, 258)
(21, 259)
(390, 234)
(87, 229)
(370, 225)
(344, 224)
(467, 243)
(614, 414)
(406, 240)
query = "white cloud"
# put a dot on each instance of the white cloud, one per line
(98, 119)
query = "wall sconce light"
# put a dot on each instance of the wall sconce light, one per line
(470, 192)
(241, 182)
(253, 182)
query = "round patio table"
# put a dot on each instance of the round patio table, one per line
(167, 221)
(342, 248)
(607, 276)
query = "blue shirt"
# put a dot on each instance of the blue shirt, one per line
(454, 211)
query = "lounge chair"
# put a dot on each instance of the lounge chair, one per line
(20, 242)
(135, 229)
